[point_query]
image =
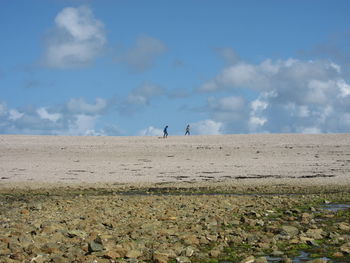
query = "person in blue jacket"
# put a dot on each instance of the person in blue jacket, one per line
(187, 130)
(165, 132)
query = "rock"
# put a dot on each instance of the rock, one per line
(39, 259)
(289, 231)
(189, 251)
(214, 253)
(249, 259)
(133, 253)
(317, 260)
(183, 260)
(112, 255)
(120, 250)
(345, 248)
(96, 245)
(261, 260)
(160, 257)
(58, 259)
(50, 248)
(314, 233)
(277, 253)
(312, 243)
(24, 212)
(338, 255)
(191, 240)
(344, 226)
(260, 222)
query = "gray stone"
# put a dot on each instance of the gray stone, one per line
(289, 231)
(95, 246)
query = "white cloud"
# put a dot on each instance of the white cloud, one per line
(77, 39)
(81, 106)
(82, 125)
(44, 114)
(151, 131)
(15, 115)
(76, 117)
(143, 55)
(207, 127)
(292, 96)
(344, 88)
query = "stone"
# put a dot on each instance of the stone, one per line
(95, 246)
(338, 255)
(189, 251)
(312, 243)
(261, 260)
(39, 259)
(344, 226)
(249, 259)
(159, 257)
(183, 260)
(277, 253)
(58, 259)
(314, 233)
(214, 253)
(112, 255)
(289, 231)
(133, 253)
(345, 248)
(317, 260)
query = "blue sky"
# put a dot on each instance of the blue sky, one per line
(132, 67)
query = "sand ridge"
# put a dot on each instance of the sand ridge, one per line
(261, 159)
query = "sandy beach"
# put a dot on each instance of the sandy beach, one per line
(266, 159)
(196, 199)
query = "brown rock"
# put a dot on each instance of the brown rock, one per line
(112, 255)
(261, 260)
(338, 255)
(215, 253)
(160, 257)
(133, 253)
(344, 226)
(314, 233)
(24, 212)
(345, 248)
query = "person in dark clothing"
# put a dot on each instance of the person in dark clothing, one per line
(187, 130)
(165, 132)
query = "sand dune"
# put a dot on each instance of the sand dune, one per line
(227, 159)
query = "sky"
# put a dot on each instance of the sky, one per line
(126, 68)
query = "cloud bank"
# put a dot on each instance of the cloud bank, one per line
(291, 96)
(75, 117)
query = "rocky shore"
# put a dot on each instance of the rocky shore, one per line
(175, 225)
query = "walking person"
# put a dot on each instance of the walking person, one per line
(187, 130)
(165, 132)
